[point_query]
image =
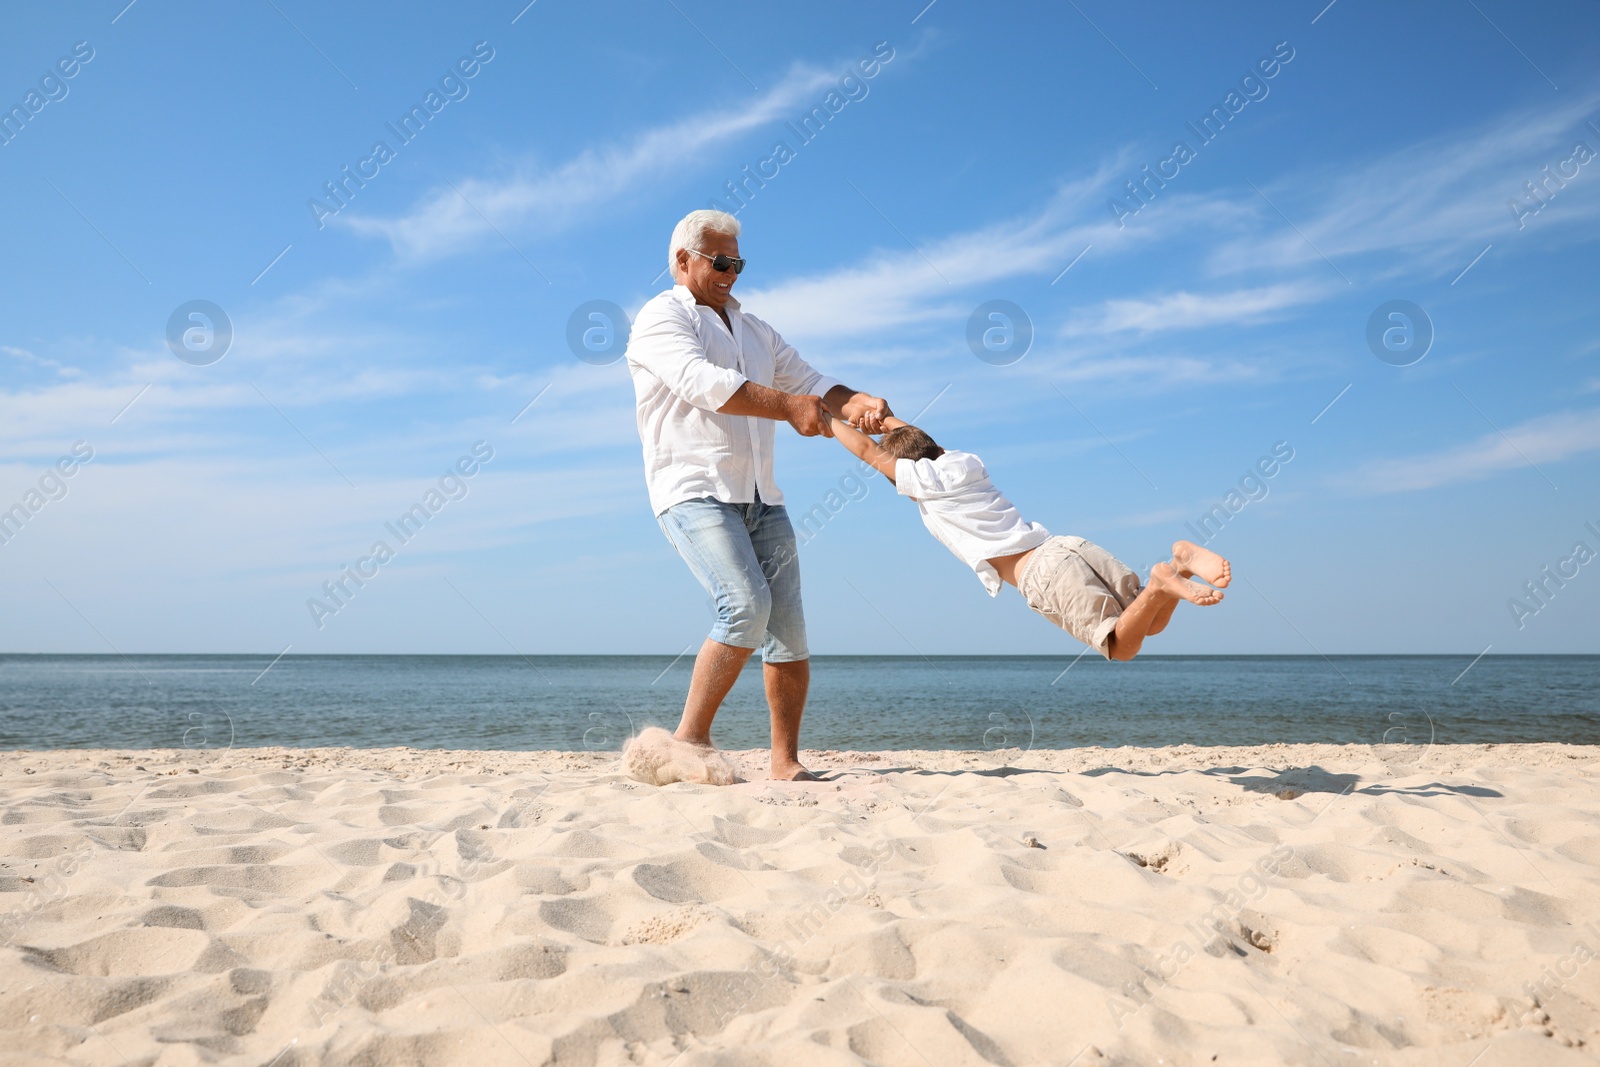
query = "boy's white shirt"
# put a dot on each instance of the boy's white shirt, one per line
(962, 508)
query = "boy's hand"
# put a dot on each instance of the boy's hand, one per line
(866, 412)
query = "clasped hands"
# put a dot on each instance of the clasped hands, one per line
(809, 415)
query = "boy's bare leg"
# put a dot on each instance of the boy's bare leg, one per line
(1161, 619)
(1192, 561)
(716, 668)
(787, 685)
(1155, 601)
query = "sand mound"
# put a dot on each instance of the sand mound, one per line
(655, 757)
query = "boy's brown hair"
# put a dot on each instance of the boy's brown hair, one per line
(908, 442)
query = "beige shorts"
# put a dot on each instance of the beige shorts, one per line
(1080, 587)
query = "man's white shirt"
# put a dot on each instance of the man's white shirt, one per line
(685, 365)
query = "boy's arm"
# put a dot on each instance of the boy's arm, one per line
(892, 423)
(864, 447)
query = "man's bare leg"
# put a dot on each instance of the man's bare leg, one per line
(716, 668)
(787, 686)
(1155, 601)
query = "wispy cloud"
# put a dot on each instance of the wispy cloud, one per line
(1189, 311)
(448, 221)
(375, 398)
(1545, 439)
(904, 285)
(1428, 207)
(34, 359)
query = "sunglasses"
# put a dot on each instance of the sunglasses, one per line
(720, 263)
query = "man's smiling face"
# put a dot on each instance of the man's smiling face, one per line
(710, 287)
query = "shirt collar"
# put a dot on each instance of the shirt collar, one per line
(682, 293)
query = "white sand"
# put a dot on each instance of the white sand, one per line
(1402, 906)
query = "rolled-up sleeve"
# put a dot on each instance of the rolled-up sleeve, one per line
(664, 343)
(792, 374)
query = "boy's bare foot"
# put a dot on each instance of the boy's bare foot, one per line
(791, 772)
(1196, 562)
(1164, 578)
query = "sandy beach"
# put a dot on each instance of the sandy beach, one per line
(1293, 904)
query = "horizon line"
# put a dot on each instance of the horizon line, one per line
(816, 655)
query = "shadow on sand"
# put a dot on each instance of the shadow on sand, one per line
(986, 772)
(1313, 779)
(1286, 784)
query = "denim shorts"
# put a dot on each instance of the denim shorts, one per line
(745, 557)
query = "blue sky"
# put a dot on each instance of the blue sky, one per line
(375, 344)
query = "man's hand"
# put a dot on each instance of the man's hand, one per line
(866, 412)
(808, 415)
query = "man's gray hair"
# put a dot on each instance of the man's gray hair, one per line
(691, 230)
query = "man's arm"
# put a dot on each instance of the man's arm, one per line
(805, 413)
(794, 375)
(865, 448)
(863, 409)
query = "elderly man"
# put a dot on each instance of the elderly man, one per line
(710, 383)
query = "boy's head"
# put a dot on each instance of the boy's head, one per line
(908, 442)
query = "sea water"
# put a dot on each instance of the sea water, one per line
(856, 702)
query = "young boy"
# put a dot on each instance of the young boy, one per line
(1074, 583)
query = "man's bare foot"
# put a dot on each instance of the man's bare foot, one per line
(791, 772)
(1164, 578)
(1196, 562)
